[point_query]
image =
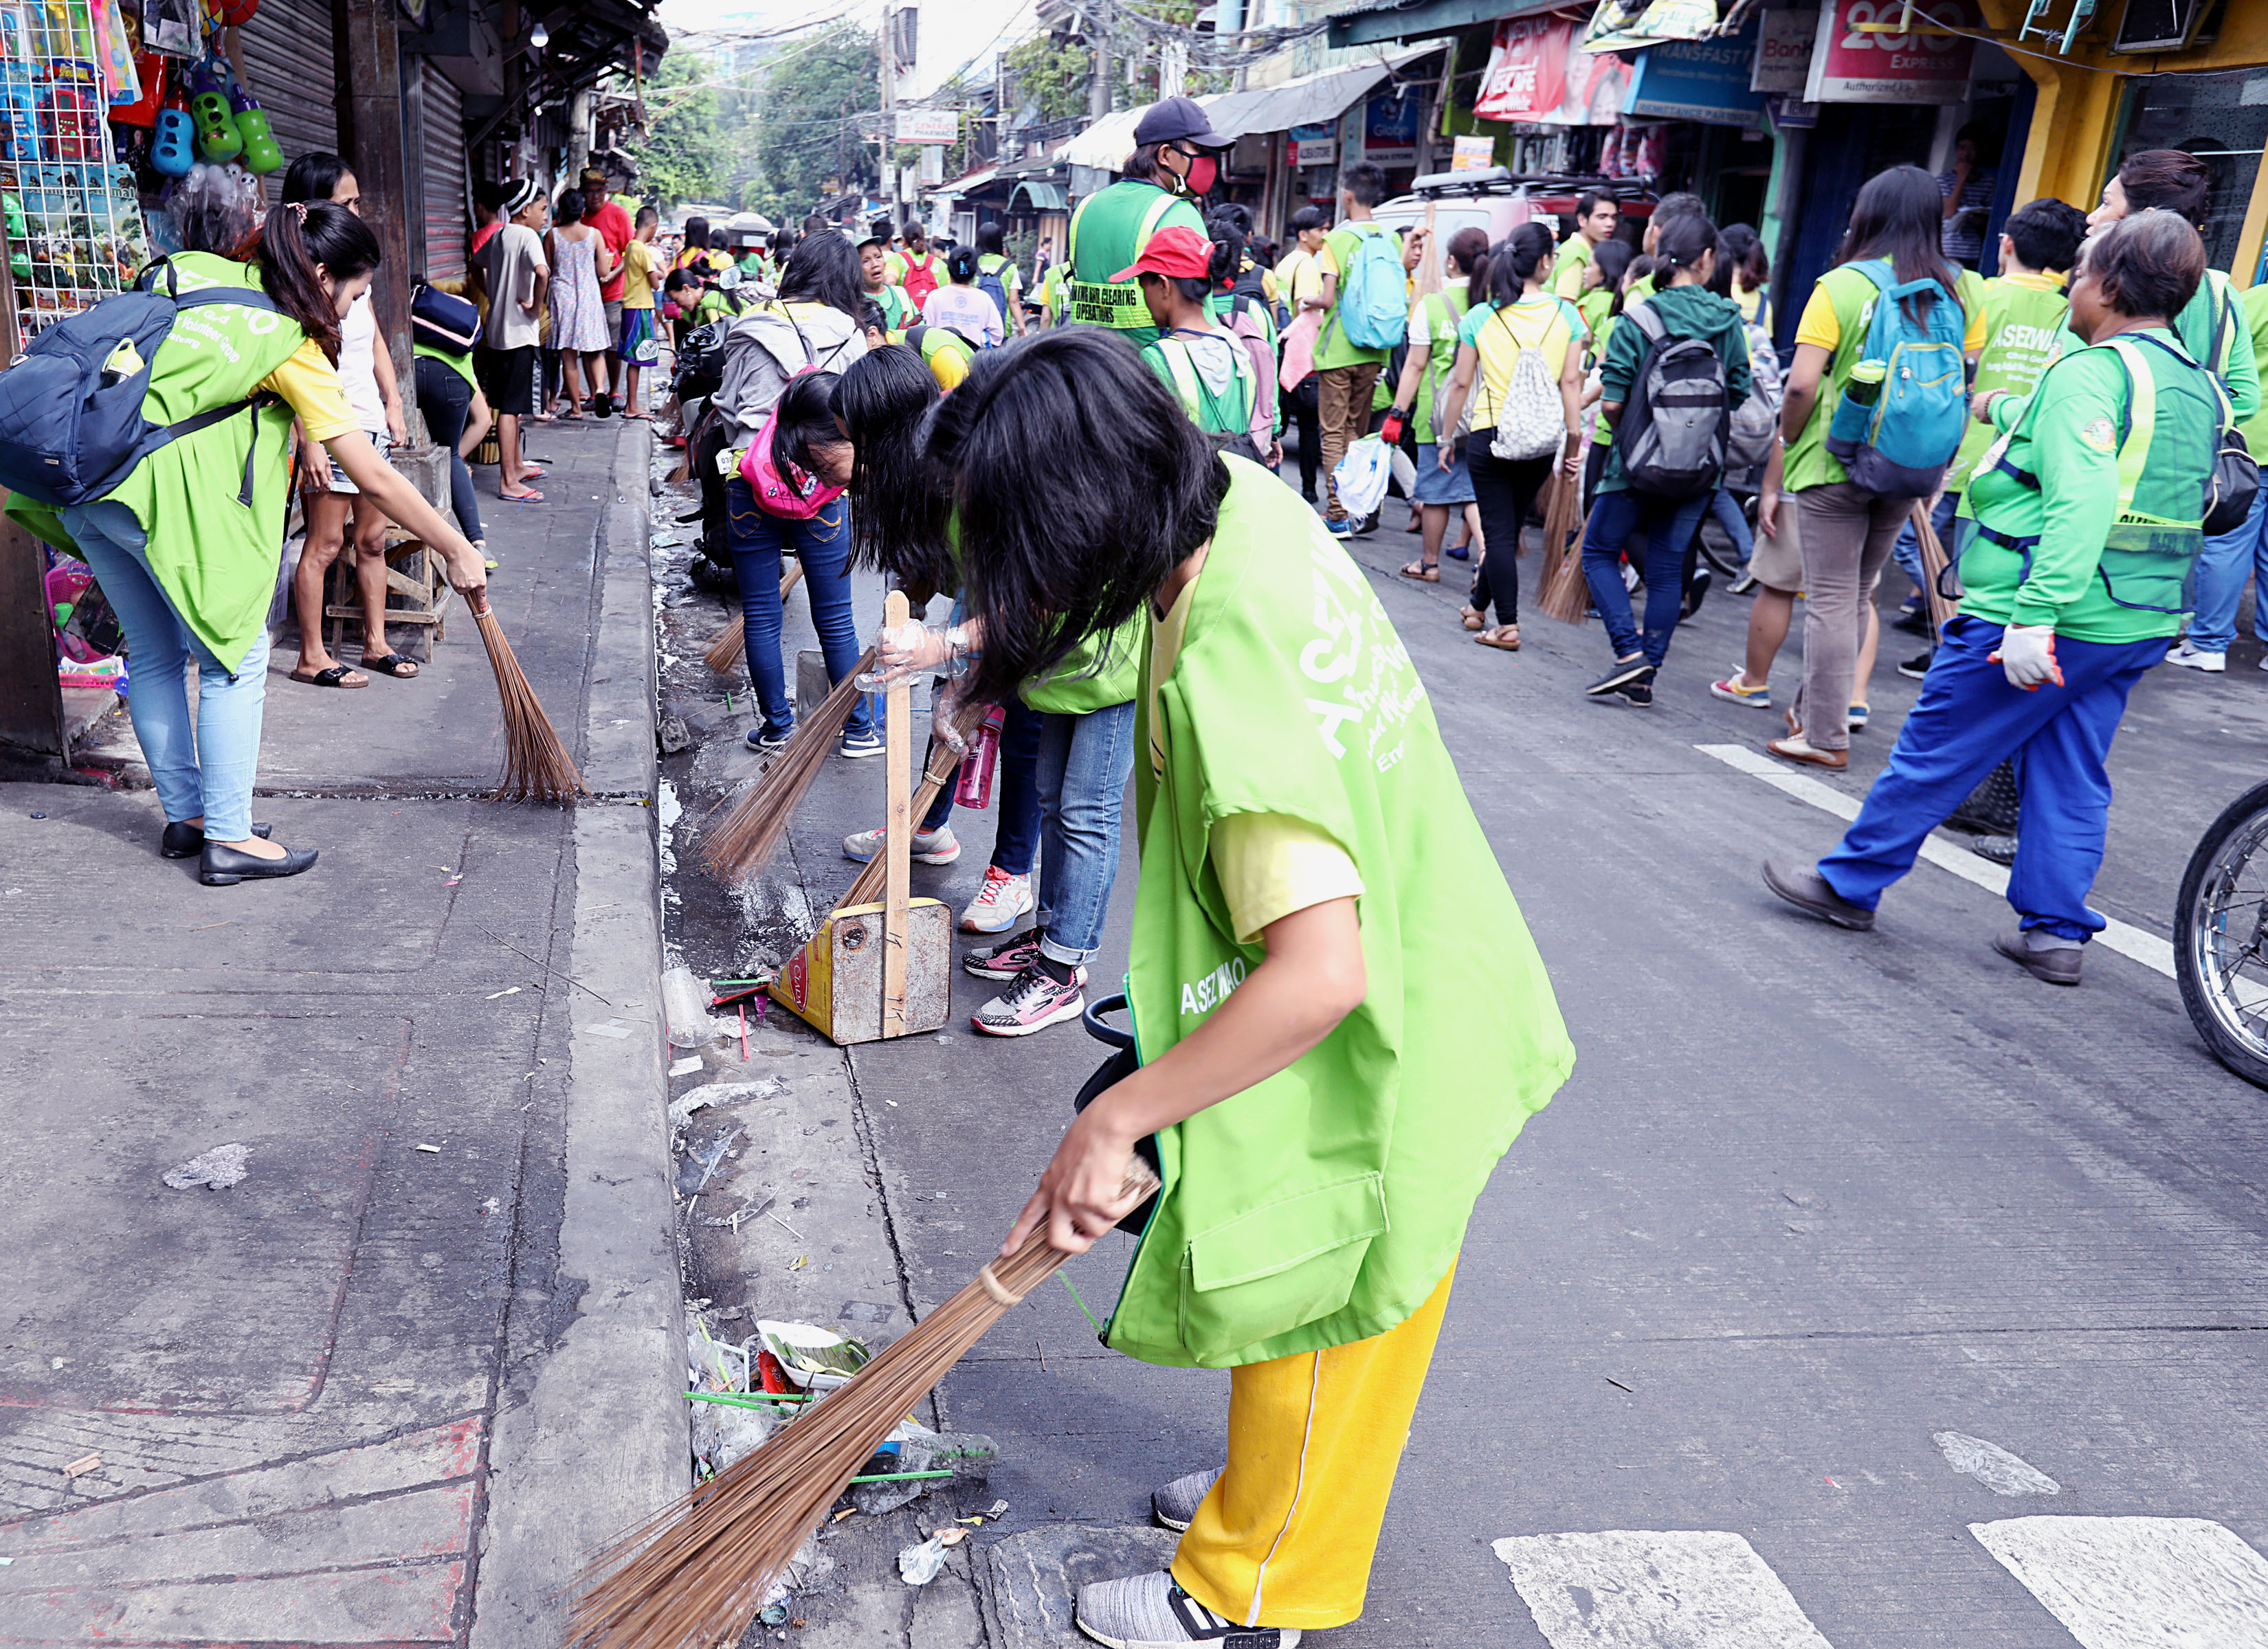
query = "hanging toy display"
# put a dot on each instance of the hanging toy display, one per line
(230, 14)
(262, 154)
(171, 152)
(216, 135)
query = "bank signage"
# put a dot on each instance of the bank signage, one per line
(1782, 58)
(1697, 80)
(1853, 61)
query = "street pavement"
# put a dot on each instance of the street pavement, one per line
(1857, 1289)
(322, 1404)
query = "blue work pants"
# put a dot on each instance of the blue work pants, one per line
(823, 543)
(1968, 720)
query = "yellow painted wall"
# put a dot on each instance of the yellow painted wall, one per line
(2081, 96)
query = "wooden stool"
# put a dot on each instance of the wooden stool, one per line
(412, 572)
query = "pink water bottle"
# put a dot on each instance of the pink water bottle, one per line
(977, 768)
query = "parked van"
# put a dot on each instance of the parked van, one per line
(1498, 202)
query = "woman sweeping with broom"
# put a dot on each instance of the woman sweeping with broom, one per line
(1324, 1120)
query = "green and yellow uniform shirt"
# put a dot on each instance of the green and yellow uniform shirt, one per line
(1831, 320)
(1333, 348)
(1567, 271)
(2016, 332)
(1499, 334)
(1433, 329)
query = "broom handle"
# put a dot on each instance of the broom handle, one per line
(943, 759)
(1007, 1281)
(1932, 567)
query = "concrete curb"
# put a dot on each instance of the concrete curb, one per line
(600, 1442)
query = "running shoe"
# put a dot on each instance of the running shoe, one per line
(999, 903)
(1175, 1506)
(770, 740)
(1917, 667)
(1735, 689)
(1008, 960)
(930, 847)
(857, 745)
(1637, 692)
(1341, 529)
(1150, 1611)
(1742, 583)
(1859, 714)
(2191, 657)
(1037, 1000)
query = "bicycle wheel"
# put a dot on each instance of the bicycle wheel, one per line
(2221, 936)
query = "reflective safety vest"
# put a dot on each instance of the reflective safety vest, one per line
(1107, 233)
(1227, 413)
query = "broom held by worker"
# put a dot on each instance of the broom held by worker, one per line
(188, 568)
(1324, 1121)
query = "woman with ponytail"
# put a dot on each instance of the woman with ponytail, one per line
(1427, 371)
(1216, 380)
(186, 546)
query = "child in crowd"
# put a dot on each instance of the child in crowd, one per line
(640, 346)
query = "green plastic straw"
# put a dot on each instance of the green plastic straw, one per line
(745, 1399)
(899, 1476)
(1081, 1304)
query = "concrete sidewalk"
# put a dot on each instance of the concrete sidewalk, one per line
(393, 1386)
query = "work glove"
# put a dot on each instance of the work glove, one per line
(912, 649)
(2026, 656)
(1390, 431)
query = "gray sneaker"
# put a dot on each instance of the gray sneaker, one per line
(1148, 1611)
(1175, 1504)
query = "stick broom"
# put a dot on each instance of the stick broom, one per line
(536, 765)
(1563, 594)
(730, 645)
(752, 828)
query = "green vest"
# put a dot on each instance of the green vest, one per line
(1322, 1205)
(930, 340)
(1229, 413)
(2023, 335)
(1107, 233)
(213, 552)
(1100, 672)
(1445, 311)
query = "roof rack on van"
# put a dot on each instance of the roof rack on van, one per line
(1502, 180)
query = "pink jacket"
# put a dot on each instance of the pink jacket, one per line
(796, 495)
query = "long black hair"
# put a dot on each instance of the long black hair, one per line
(1080, 483)
(805, 419)
(961, 265)
(297, 237)
(313, 176)
(1682, 243)
(1900, 215)
(1515, 259)
(899, 504)
(1613, 257)
(824, 269)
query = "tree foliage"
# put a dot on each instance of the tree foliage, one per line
(1053, 73)
(805, 128)
(687, 153)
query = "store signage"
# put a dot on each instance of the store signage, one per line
(1389, 129)
(929, 125)
(1697, 80)
(1316, 145)
(1783, 60)
(1536, 74)
(932, 166)
(1472, 154)
(1851, 62)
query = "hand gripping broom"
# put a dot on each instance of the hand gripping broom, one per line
(692, 1575)
(536, 765)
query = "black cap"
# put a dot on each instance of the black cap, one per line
(1177, 120)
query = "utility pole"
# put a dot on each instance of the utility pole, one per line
(889, 61)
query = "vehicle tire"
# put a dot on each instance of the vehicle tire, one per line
(2221, 936)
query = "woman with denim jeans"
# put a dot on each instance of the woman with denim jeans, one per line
(1686, 250)
(186, 546)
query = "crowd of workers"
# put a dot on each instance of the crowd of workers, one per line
(1089, 470)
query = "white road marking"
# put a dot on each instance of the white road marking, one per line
(1640, 1589)
(2139, 1582)
(2128, 941)
(1992, 1466)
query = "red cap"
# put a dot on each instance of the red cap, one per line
(1175, 251)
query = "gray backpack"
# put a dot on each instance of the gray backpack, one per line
(1676, 429)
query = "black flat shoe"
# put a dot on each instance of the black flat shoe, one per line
(225, 867)
(2058, 966)
(182, 840)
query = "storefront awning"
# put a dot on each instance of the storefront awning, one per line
(1422, 19)
(1106, 145)
(1307, 101)
(1040, 197)
(961, 186)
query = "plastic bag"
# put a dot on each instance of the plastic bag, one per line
(1300, 347)
(1361, 476)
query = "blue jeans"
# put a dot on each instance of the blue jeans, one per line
(1907, 550)
(1968, 720)
(201, 767)
(1669, 525)
(1726, 509)
(823, 543)
(2224, 567)
(1015, 792)
(1085, 762)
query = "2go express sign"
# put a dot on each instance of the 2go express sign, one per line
(1854, 60)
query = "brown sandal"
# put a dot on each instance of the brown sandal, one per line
(1496, 638)
(1474, 620)
(1422, 573)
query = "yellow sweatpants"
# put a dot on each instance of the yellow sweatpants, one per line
(1287, 1535)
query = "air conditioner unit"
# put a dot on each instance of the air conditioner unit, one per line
(2160, 25)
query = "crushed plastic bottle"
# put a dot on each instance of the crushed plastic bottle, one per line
(685, 1006)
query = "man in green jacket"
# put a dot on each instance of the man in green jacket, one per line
(1176, 161)
(2079, 533)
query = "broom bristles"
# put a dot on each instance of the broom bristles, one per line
(536, 765)
(943, 759)
(757, 820)
(696, 1572)
(1563, 594)
(730, 645)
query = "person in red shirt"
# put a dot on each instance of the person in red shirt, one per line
(613, 226)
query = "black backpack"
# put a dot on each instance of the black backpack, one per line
(1677, 428)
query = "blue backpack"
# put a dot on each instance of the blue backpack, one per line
(71, 427)
(1373, 304)
(992, 281)
(1899, 447)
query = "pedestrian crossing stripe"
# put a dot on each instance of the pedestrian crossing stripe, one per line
(2113, 1582)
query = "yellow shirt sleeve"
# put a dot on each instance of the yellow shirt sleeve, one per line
(1973, 341)
(1326, 263)
(1271, 864)
(309, 385)
(947, 367)
(1819, 325)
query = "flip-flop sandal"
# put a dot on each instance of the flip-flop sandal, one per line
(393, 664)
(1495, 639)
(643, 417)
(1422, 573)
(529, 497)
(335, 676)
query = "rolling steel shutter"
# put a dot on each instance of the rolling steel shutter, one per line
(441, 166)
(288, 56)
